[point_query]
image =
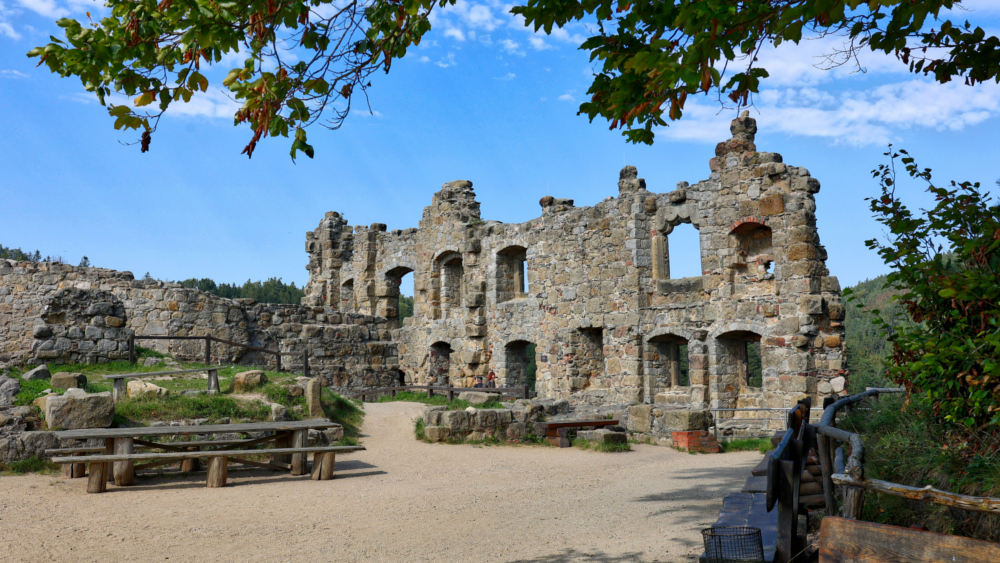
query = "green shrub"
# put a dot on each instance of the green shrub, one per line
(141, 352)
(31, 390)
(343, 411)
(419, 426)
(175, 407)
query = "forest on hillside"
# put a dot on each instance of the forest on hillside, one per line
(866, 347)
(271, 291)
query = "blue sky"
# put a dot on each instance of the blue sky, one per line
(482, 99)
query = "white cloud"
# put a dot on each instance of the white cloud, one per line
(511, 47)
(8, 73)
(45, 8)
(567, 97)
(538, 43)
(471, 14)
(6, 29)
(366, 113)
(446, 62)
(873, 116)
(423, 59)
(213, 104)
(506, 77)
(454, 33)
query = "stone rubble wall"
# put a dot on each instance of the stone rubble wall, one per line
(56, 313)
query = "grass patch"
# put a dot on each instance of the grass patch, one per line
(419, 429)
(439, 400)
(30, 390)
(761, 445)
(33, 464)
(141, 352)
(194, 406)
(343, 411)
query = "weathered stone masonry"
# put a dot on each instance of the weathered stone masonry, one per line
(608, 320)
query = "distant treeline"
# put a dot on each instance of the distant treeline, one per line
(866, 347)
(7, 253)
(271, 291)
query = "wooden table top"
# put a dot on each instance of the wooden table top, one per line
(136, 432)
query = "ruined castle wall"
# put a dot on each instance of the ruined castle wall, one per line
(56, 313)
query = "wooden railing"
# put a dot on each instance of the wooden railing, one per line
(208, 349)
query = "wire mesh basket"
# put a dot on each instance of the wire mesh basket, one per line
(740, 544)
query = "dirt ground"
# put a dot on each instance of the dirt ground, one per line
(401, 500)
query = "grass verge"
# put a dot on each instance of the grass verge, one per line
(605, 447)
(439, 400)
(31, 465)
(761, 445)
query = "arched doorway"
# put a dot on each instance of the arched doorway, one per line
(666, 365)
(389, 301)
(439, 363)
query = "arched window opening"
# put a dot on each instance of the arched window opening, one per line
(667, 363)
(519, 365)
(677, 253)
(347, 304)
(753, 246)
(742, 356)
(391, 301)
(439, 363)
(451, 278)
(512, 273)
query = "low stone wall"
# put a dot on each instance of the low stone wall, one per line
(508, 424)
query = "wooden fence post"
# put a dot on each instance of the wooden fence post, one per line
(131, 348)
(119, 389)
(305, 363)
(526, 392)
(278, 368)
(854, 500)
(213, 380)
(208, 350)
(826, 462)
(451, 393)
(430, 391)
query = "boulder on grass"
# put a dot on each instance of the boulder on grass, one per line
(248, 381)
(77, 409)
(69, 380)
(9, 388)
(476, 397)
(41, 372)
(144, 389)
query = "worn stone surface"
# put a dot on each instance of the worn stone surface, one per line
(40, 372)
(314, 403)
(76, 409)
(475, 397)
(437, 433)
(249, 381)
(9, 388)
(687, 420)
(68, 380)
(143, 389)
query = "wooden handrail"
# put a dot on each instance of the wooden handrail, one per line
(989, 505)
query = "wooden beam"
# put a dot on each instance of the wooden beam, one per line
(88, 433)
(213, 453)
(217, 472)
(151, 373)
(928, 494)
(851, 541)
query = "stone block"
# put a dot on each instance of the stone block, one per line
(476, 397)
(246, 381)
(811, 304)
(687, 419)
(638, 418)
(832, 341)
(837, 384)
(76, 409)
(41, 372)
(68, 380)
(456, 421)
(313, 394)
(772, 205)
(437, 433)
(138, 389)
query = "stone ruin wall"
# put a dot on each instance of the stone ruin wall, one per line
(56, 313)
(605, 315)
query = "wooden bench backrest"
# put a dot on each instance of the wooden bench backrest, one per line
(842, 541)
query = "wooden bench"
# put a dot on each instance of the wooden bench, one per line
(119, 378)
(218, 460)
(557, 433)
(842, 540)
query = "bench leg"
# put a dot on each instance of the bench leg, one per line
(317, 467)
(109, 449)
(191, 464)
(299, 461)
(217, 472)
(74, 470)
(124, 471)
(282, 440)
(97, 482)
(326, 472)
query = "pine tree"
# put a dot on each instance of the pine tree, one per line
(85, 262)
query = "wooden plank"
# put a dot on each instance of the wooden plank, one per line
(261, 464)
(760, 469)
(299, 439)
(843, 541)
(88, 433)
(574, 423)
(58, 451)
(755, 484)
(152, 373)
(214, 453)
(929, 494)
(124, 472)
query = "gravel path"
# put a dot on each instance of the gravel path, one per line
(400, 501)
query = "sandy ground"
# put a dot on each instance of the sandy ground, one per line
(401, 500)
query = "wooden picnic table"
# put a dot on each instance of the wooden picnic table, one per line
(288, 439)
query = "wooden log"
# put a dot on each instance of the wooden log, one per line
(816, 470)
(326, 472)
(217, 472)
(97, 483)
(808, 477)
(261, 464)
(214, 453)
(927, 494)
(299, 460)
(118, 392)
(854, 500)
(124, 471)
(843, 541)
(812, 488)
(826, 463)
(192, 464)
(317, 465)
